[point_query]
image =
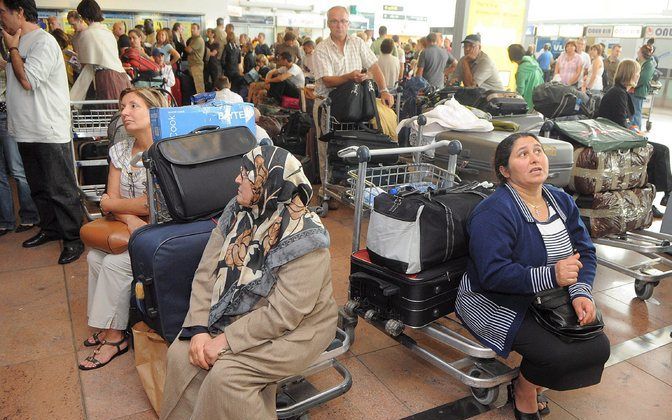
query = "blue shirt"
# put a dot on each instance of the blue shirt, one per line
(544, 60)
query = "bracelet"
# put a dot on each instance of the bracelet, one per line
(386, 90)
(10, 49)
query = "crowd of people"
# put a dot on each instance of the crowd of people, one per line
(227, 359)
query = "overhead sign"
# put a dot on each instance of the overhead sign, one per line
(253, 19)
(571, 31)
(300, 20)
(389, 8)
(548, 30)
(417, 18)
(598, 31)
(394, 16)
(658, 32)
(627, 31)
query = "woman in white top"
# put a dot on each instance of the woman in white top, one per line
(110, 275)
(592, 81)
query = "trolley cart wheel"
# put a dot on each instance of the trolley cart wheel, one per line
(644, 290)
(347, 322)
(485, 396)
(323, 209)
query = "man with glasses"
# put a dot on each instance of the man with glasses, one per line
(475, 68)
(340, 59)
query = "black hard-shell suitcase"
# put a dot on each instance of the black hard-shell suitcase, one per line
(93, 150)
(505, 106)
(414, 299)
(502, 102)
(164, 259)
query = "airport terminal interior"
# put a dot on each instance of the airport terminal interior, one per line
(393, 356)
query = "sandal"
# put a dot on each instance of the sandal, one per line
(542, 400)
(96, 341)
(97, 363)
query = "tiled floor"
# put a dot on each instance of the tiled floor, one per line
(43, 323)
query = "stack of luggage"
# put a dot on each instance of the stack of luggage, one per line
(416, 254)
(609, 180)
(353, 106)
(164, 256)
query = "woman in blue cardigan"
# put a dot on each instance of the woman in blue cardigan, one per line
(525, 238)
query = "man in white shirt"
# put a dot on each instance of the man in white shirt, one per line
(287, 79)
(38, 117)
(223, 91)
(585, 58)
(340, 59)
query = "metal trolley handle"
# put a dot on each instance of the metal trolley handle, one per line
(363, 155)
(454, 148)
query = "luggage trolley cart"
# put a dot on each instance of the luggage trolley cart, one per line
(90, 120)
(295, 394)
(479, 369)
(656, 247)
(655, 87)
(330, 124)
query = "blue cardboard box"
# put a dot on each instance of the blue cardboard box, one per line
(171, 122)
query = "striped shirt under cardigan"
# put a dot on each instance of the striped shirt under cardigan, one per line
(509, 262)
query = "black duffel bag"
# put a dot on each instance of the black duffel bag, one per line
(196, 171)
(354, 102)
(411, 231)
(555, 99)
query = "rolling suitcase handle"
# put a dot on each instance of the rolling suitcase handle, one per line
(387, 288)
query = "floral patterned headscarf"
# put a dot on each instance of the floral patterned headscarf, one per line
(276, 228)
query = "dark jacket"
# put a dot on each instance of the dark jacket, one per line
(617, 106)
(231, 59)
(249, 61)
(508, 264)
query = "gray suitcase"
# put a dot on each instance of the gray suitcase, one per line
(528, 122)
(478, 151)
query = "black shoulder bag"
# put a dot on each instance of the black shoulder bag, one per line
(553, 310)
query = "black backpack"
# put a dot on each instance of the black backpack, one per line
(293, 134)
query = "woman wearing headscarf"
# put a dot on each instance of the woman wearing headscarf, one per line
(261, 305)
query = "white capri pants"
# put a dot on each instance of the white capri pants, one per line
(110, 278)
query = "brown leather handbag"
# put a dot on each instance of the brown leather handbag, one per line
(106, 234)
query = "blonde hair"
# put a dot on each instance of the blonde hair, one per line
(625, 72)
(153, 98)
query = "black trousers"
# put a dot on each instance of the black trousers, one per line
(53, 187)
(658, 169)
(284, 88)
(555, 364)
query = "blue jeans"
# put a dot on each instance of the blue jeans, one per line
(637, 116)
(12, 165)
